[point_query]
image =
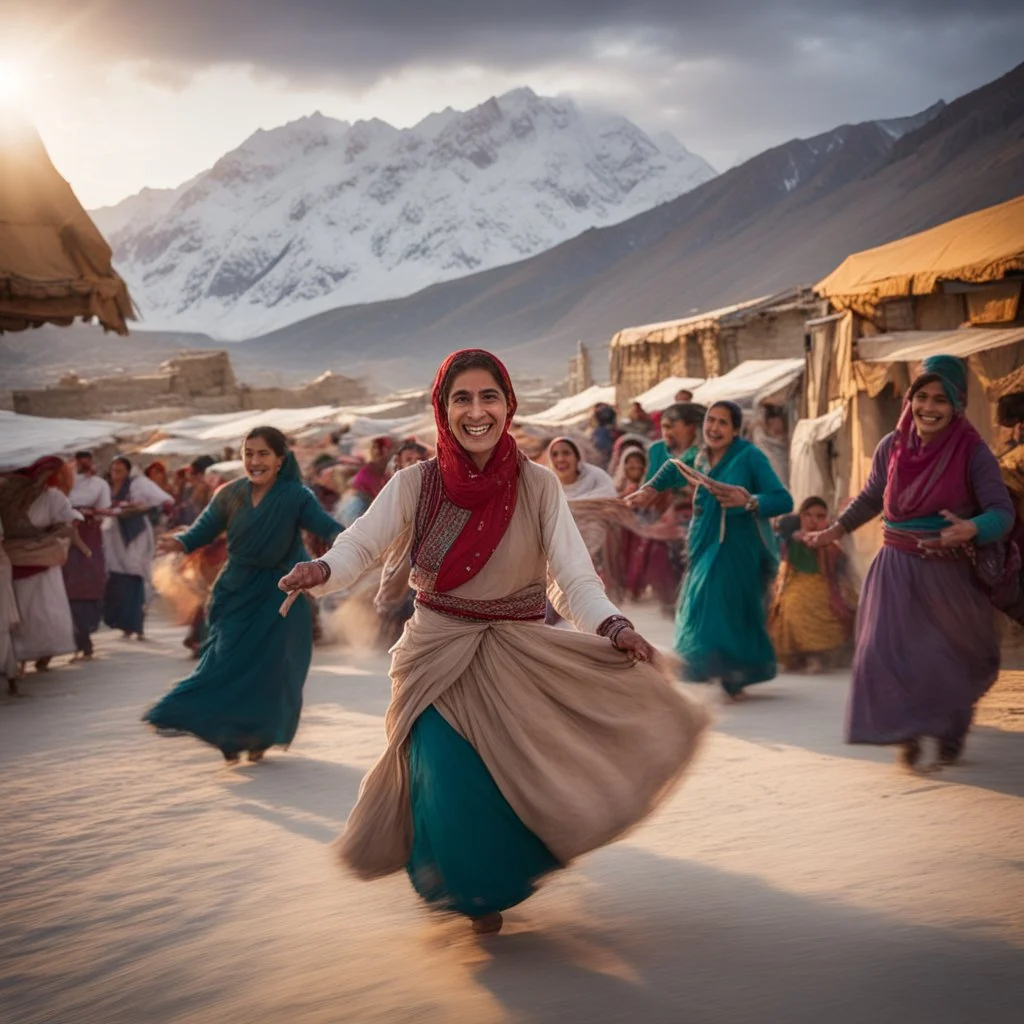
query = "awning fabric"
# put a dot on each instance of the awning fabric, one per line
(663, 394)
(55, 265)
(572, 409)
(752, 382)
(913, 346)
(980, 247)
(673, 330)
(23, 439)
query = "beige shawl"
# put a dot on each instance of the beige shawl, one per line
(582, 743)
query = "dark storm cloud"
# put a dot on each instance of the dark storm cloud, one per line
(360, 39)
(760, 70)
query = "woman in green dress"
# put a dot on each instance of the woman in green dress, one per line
(245, 694)
(721, 622)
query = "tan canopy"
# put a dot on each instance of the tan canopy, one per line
(54, 264)
(981, 247)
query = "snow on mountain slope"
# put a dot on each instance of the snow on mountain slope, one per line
(320, 213)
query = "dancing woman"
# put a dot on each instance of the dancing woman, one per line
(512, 747)
(927, 647)
(245, 694)
(721, 629)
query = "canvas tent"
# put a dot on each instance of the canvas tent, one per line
(23, 439)
(54, 264)
(662, 395)
(571, 411)
(752, 383)
(980, 248)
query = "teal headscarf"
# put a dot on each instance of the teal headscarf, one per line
(952, 373)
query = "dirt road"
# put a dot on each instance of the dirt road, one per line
(791, 879)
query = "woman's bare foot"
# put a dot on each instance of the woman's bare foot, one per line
(231, 759)
(489, 924)
(255, 756)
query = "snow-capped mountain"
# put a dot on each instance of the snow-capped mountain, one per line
(321, 213)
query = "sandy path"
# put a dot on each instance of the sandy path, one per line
(791, 879)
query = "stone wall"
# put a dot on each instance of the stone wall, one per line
(203, 381)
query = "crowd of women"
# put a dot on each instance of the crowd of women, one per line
(80, 549)
(513, 747)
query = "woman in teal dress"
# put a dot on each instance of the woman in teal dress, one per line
(245, 694)
(512, 747)
(721, 622)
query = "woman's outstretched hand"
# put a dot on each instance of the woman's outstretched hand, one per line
(169, 544)
(638, 649)
(820, 538)
(304, 576)
(642, 499)
(729, 496)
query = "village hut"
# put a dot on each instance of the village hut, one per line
(55, 266)
(953, 289)
(709, 344)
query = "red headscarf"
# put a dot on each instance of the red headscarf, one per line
(489, 494)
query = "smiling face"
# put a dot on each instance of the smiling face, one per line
(261, 463)
(477, 413)
(719, 432)
(84, 465)
(118, 473)
(814, 519)
(564, 462)
(932, 410)
(678, 435)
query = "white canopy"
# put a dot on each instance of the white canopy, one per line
(810, 467)
(23, 439)
(913, 346)
(232, 426)
(177, 446)
(572, 409)
(752, 382)
(663, 394)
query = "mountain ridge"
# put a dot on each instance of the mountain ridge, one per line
(320, 213)
(740, 235)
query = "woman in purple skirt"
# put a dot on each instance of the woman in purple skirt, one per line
(927, 643)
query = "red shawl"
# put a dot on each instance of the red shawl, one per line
(488, 494)
(925, 479)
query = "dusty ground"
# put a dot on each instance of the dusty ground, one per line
(791, 879)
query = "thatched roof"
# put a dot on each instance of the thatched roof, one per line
(55, 266)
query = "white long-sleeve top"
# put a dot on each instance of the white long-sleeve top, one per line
(542, 542)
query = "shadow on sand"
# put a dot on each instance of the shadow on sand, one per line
(672, 941)
(304, 795)
(809, 713)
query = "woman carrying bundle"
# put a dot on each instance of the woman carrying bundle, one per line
(512, 747)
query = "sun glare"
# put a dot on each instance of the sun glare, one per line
(12, 81)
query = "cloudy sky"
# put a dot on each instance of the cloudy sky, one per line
(130, 93)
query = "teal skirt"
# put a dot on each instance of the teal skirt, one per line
(470, 853)
(722, 620)
(246, 691)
